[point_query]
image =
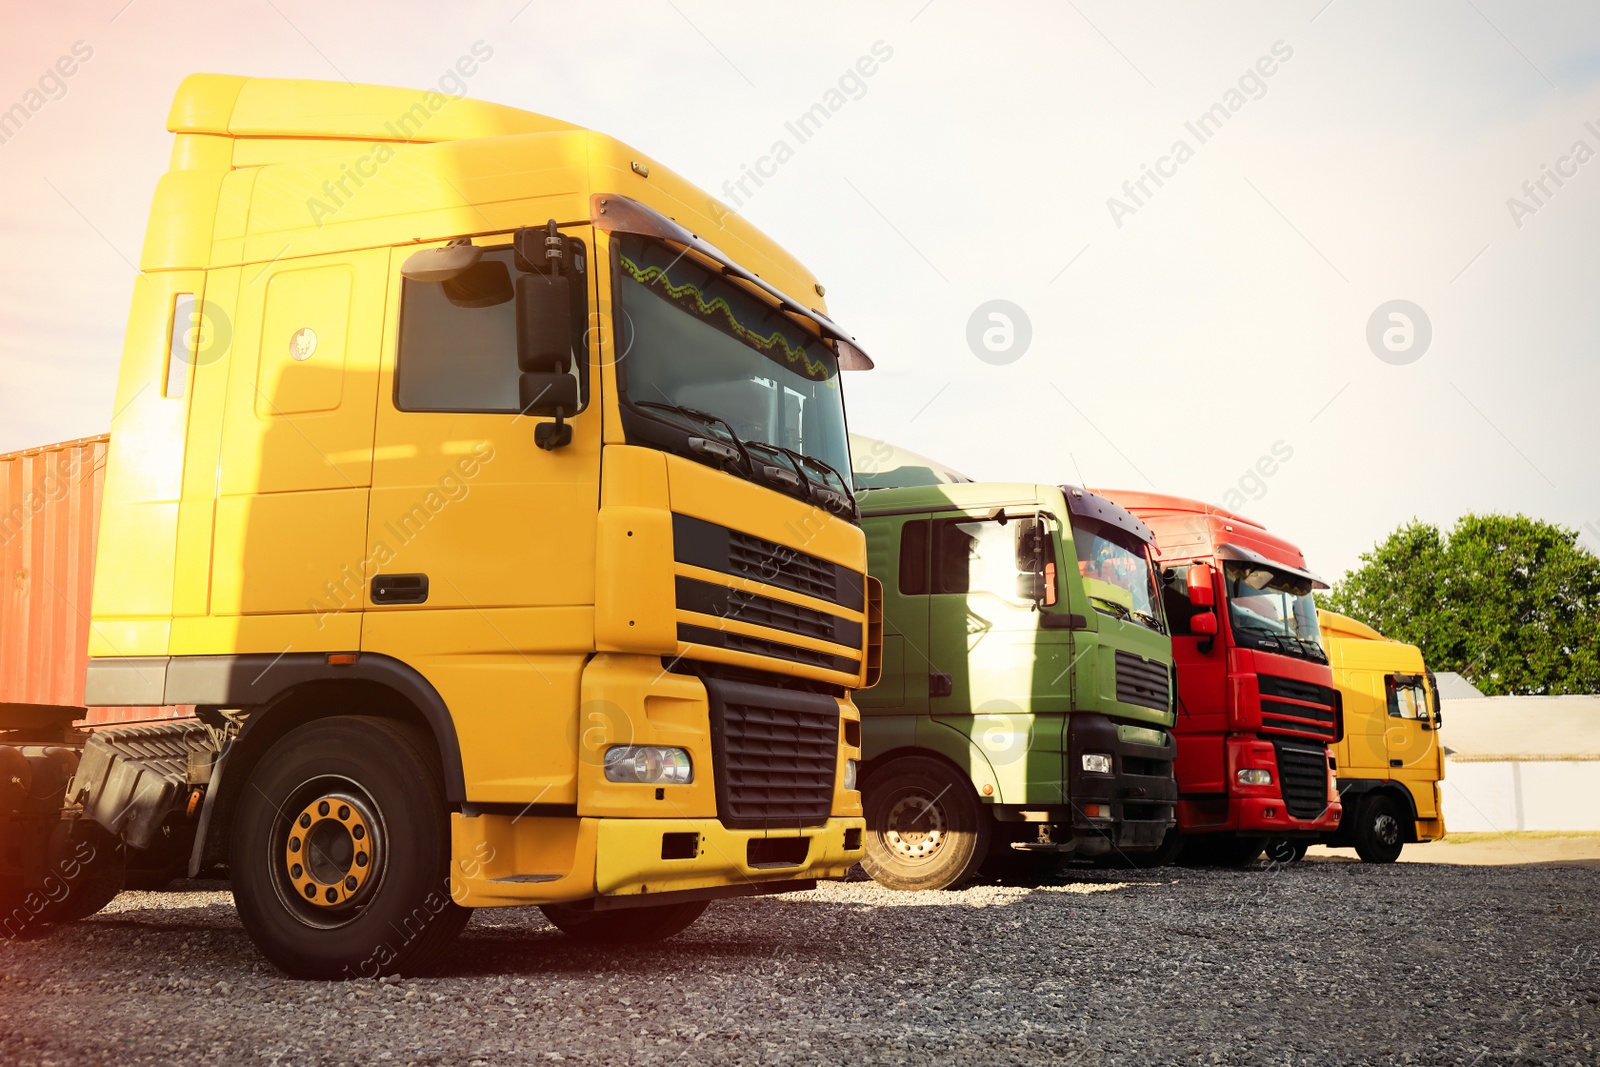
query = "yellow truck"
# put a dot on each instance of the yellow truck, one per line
(490, 501)
(1390, 761)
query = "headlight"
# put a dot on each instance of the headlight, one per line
(1096, 763)
(851, 769)
(649, 765)
(1255, 776)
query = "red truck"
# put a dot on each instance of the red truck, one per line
(1257, 707)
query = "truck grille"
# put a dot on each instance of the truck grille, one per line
(776, 753)
(706, 598)
(1303, 776)
(1142, 682)
(718, 548)
(1318, 718)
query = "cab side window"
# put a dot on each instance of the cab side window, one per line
(1406, 698)
(984, 555)
(458, 341)
(1175, 597)
(914, 558)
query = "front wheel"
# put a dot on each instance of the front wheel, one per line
(340, 852)
(925, 826)
(1378, 836)
(624, 926)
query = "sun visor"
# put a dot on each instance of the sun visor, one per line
(1091, 505)
(613, 213)
(1240, 554)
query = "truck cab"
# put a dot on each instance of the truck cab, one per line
(1257, 710)
(487, 492)
(1390, 758)
(1027, 694)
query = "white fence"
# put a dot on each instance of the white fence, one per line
(1521, 795)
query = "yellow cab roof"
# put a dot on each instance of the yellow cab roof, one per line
(266, 168)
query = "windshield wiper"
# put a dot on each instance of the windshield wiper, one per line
(794, 478)
(711, 448)
(1119, 610)
(1150, 620)
(839, 502)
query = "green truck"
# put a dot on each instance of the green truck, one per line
(1027, 694)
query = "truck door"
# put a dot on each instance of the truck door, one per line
(480, 544)
(992, 676)
(1202, 685)
(1411, 739)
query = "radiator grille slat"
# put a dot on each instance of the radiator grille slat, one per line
(1142, 682)
(1303, 777)
(1279, 715)
(776, 758)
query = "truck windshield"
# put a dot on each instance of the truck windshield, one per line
(1117, 574)
(1273, 611)
(708, 356)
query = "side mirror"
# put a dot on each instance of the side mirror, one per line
(550, 396)
(544, 323)
(441, 264)
(1201, 594)
(545, 343)
(1031, 587)
(1203, 623)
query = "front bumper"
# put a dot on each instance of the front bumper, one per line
(504, 861)
(1267, 815)
(1134, 804)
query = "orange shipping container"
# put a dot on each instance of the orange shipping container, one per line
(49, 523)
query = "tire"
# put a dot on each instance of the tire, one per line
(624, 926)
(1378, 833)
(1223, 850)
(91, 863)
(925, 826)
(362, 798)
(1281, 851)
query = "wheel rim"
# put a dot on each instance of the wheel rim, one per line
(915, 828)
(1386, 829)
(328, 855)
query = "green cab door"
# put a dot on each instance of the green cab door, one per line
(993, 673)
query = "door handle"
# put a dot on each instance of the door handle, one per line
(1397, 763)
(940, 685)
(400, 589)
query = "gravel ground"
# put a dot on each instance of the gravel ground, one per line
(1322, 961)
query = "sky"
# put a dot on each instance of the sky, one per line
(1329, 264)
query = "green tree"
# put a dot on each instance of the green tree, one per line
(1510, 602)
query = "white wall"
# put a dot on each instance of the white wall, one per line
(1533, 795)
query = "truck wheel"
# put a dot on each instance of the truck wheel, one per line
(925, 827)
(340, 852)
(1377, 834)
(625, 926)
(1281, 851)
